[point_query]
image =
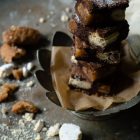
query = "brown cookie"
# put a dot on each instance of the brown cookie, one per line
(23, 107)
(21, 36)
(6, 90)
(10, 53)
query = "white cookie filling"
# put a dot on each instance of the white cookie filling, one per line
(80, 84)
(95, 39)
(73, 59)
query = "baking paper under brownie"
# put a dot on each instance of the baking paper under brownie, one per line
(75, 100)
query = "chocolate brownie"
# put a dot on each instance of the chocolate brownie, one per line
(80, 44)
(111, 57)
(79, 79)
(82, 51)
(100, 37)
(84, 74)
(94, 70)
(94, 12)
(94, 5)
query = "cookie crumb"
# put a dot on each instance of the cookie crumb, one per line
(28, 117)
(44, 129)
(4, 110)
(21, 123)
(42, 20)
(30, 83)
(38, 137)
(64, 18)
(23, 107)
(67, 9)
(53, 130)
(38, 126)
(6, 90)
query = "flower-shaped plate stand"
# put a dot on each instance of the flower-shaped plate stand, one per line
(44, 78)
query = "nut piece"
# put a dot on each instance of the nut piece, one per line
(17, 73)
(6, 90)
(24, 106)
(21, 36)
(10, 53)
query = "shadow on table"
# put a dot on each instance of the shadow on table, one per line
(125, 126)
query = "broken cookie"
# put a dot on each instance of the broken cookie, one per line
(21, 36)
(9, 53)
(6, 90)
(24, 106)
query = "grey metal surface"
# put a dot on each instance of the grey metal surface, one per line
(125, 126)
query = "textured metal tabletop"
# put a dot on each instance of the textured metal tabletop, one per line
(124, 126)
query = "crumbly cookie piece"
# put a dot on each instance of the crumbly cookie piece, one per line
(17, 73)
(9, 53)
(6, 90)
(24, 106)
(21, 36)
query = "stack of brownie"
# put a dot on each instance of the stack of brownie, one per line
(98, 28)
